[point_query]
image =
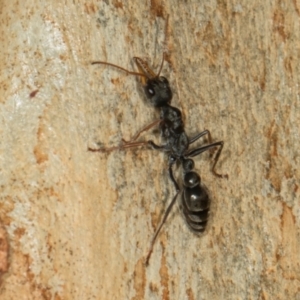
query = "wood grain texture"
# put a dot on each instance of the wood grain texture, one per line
(78, 223)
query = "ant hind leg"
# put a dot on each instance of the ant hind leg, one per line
(166, 214)
(202, 149)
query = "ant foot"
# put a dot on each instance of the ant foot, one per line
(221, 175)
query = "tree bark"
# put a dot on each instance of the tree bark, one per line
(78, 223)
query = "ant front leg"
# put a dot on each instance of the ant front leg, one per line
(132, 143)
(128, 145)
(124, 146)
(202, 149)
(134, 138)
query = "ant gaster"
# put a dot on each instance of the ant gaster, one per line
(195, 201)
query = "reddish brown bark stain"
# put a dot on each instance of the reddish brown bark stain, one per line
(164, 275)
(19, 232)
(4, 252)
(118, 4)
(190, 294)
(288, 61)
(40, 155)
(90, 8)
(290, 260)
(6, 206)
(33, 93)
(272, 174)
(139, 279)
(278, 24)
(296, 7)
(156, 8)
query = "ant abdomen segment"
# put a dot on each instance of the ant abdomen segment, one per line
(191, 179)
(195, 202)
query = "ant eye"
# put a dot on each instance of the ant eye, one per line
(172, 159)
(150, 91)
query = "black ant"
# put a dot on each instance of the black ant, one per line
(195, 202)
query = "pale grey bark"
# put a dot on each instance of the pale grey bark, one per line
(79, 223)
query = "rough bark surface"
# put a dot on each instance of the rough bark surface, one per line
(79, 224)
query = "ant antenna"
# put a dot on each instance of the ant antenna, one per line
(165, 45)
(161, 65)
(166, 34)
(118, 67)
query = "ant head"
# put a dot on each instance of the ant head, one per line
(156, 87)
(158, 91)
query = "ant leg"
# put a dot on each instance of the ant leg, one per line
(128, 145)
(134, 138)
(201, 134)
(120, 147)
(208, 147)
(132, 142)
(158, 147)
(198, 136)
(166, 213)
